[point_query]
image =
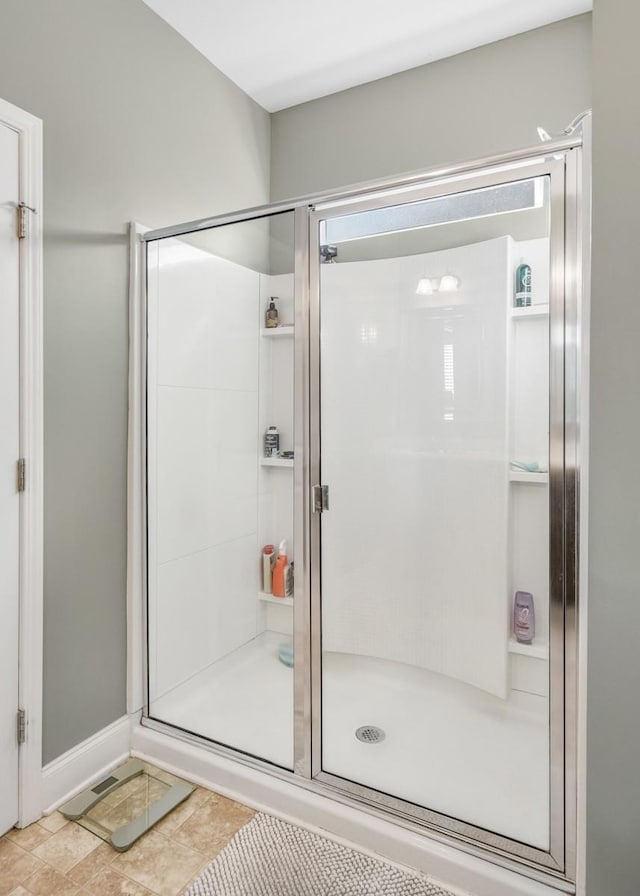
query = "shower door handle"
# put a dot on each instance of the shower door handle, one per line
(320, 498)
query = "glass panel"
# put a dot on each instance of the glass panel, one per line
(219, 374)
(434, 348)
(498, 200)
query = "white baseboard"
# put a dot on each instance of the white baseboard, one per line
(86, 763)
(451, 868)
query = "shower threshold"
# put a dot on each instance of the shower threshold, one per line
(127, 803)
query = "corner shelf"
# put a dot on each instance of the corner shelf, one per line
(523, 476)
(277, 462)
(270, 599)
(277, 332)
(536, 651)
(530, 311)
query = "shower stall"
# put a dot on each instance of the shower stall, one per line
(423, 377)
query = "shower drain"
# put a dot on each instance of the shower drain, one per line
(369, 734)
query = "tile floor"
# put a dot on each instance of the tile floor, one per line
(56, 857)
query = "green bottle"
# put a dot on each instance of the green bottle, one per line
(523, 286)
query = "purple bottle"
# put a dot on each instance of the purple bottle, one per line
(524, 617)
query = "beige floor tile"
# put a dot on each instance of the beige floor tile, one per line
(212, 825)
(29, 838)
(169, 825)
(96, 828)
(91, 864)
(109, 882)
(48, 881)
(16, 866)
(159, 864)
(20, 891)
(53, 822)
(64, 849)
(204, 865)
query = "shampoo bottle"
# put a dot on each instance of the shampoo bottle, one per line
(267, 554)
(277, 582)
(524, 620)
(271, 315)
(523, 285)
(272, 442)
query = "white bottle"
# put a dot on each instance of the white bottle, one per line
(267, 557)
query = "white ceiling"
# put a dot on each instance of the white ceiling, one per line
(284, 52)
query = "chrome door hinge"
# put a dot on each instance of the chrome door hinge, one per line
(22, 726)
(22, 474)
(22, 210)
(320, 498)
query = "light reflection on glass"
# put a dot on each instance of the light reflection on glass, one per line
(368, 334)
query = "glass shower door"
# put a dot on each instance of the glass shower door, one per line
(220, 336)
(436, 549)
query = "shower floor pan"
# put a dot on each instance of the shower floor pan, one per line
(126, 804)
(447, 745)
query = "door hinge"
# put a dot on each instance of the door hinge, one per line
(22, 210)
(22, 474)
(22, 726)
(320, 498)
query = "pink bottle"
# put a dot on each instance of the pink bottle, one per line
(524, 617)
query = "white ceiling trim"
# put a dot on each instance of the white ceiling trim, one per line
(286, 52)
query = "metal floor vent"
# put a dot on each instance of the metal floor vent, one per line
(127, 803)
(370, 734)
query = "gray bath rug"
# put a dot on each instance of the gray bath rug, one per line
(269, 857)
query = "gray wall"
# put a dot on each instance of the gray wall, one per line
(613, 741)
(137, 126)
(480, 102)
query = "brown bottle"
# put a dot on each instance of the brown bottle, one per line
(271, 315)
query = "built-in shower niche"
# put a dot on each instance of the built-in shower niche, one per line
(275, 479)
(529, 445)
(214, 384)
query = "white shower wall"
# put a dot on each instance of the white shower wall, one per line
(416, 549)
(203, 436)
(216, 383)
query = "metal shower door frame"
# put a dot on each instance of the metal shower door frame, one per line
(562, 170)
(571, 202)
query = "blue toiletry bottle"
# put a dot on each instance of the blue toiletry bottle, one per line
(523, 286)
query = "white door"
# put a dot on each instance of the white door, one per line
(9, 454)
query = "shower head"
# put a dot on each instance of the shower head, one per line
(576, 124)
